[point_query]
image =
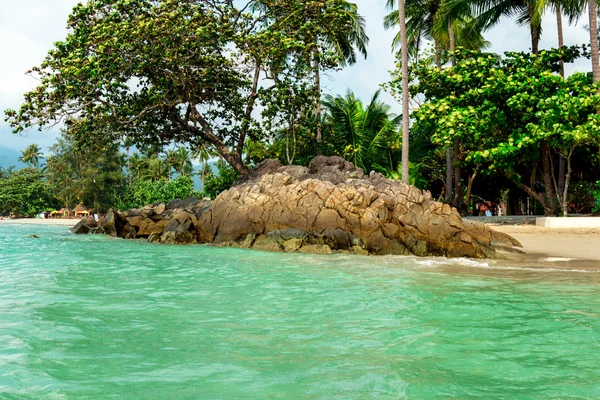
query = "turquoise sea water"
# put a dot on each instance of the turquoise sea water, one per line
(90, 317)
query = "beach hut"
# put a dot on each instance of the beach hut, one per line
(81, 211)
(62, 213)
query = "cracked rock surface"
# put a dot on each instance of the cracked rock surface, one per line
(328, 207)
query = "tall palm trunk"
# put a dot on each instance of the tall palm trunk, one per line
(592, 9)
(536, 31)
(561, 41)
(405, 98)
(458, 195)
(318, 110)
(448, 190)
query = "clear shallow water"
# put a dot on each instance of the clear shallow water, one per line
(89, 317)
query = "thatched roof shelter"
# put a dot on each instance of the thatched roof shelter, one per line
(81, 210)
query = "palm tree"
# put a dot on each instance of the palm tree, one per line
(156, 169)
(203, 153)
(137, 163)
(172, 162)
(435, 20)
(593, 13)
(31, 155)
(184, 162)
(425, 21)
(344, 45)
(128, 143)
(405, 94)
(364, 132)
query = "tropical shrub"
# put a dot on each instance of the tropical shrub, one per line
(144, 192)
(217, 183)
(25, 193)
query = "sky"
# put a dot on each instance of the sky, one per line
(29, 28)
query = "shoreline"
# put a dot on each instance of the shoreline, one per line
(560, 247)
(39, 221)
(568, 248)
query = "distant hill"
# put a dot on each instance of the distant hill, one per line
(10, 157)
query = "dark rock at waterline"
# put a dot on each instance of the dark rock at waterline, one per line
(329, 206)
(34, 237)
(81, 228)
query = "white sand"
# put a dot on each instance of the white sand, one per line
(40, 221)
(556, 244)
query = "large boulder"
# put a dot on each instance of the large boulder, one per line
(325, 207)
(181, 229)
(336, 205)
(114, 223)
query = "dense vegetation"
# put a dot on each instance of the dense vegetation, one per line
(148, 88)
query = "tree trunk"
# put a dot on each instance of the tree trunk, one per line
(551, 206)
(318, 90)
(405, 98)
(593, 12)
(438, 54)
(448, 188)
(448, 194)
(470, 185)
(561, 173)
(535, 30)
(458, 195)
(561, 41)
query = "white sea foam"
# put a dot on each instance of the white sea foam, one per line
(557, 259)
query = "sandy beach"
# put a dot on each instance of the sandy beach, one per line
(39, 221)
(569, 247)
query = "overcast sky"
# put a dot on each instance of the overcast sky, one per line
(28, 29)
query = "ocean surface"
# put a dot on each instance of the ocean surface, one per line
(91, 317)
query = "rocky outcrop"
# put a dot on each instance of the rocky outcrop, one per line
(329, 206)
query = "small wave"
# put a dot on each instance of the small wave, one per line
(557, 259)
(540, 269)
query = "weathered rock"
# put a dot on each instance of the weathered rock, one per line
(181, 229)
(188, 203)
(329, 206)
(80, 228)
(332, 204)
(114, 223)
(150, 227)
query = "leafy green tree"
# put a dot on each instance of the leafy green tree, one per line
(513, 113)
(25, 193)
(217, 183)
(164, 71)
(332, 33)
(31, 155)
(367, 133)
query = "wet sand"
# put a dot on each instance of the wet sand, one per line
(567, 248)
(39, 221)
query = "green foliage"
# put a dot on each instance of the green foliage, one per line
(91, 174)
(25, 193)
(144, 192)
(217, 183)
(596, 194)
(185, 71)
(510, 113)
(366, 134)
